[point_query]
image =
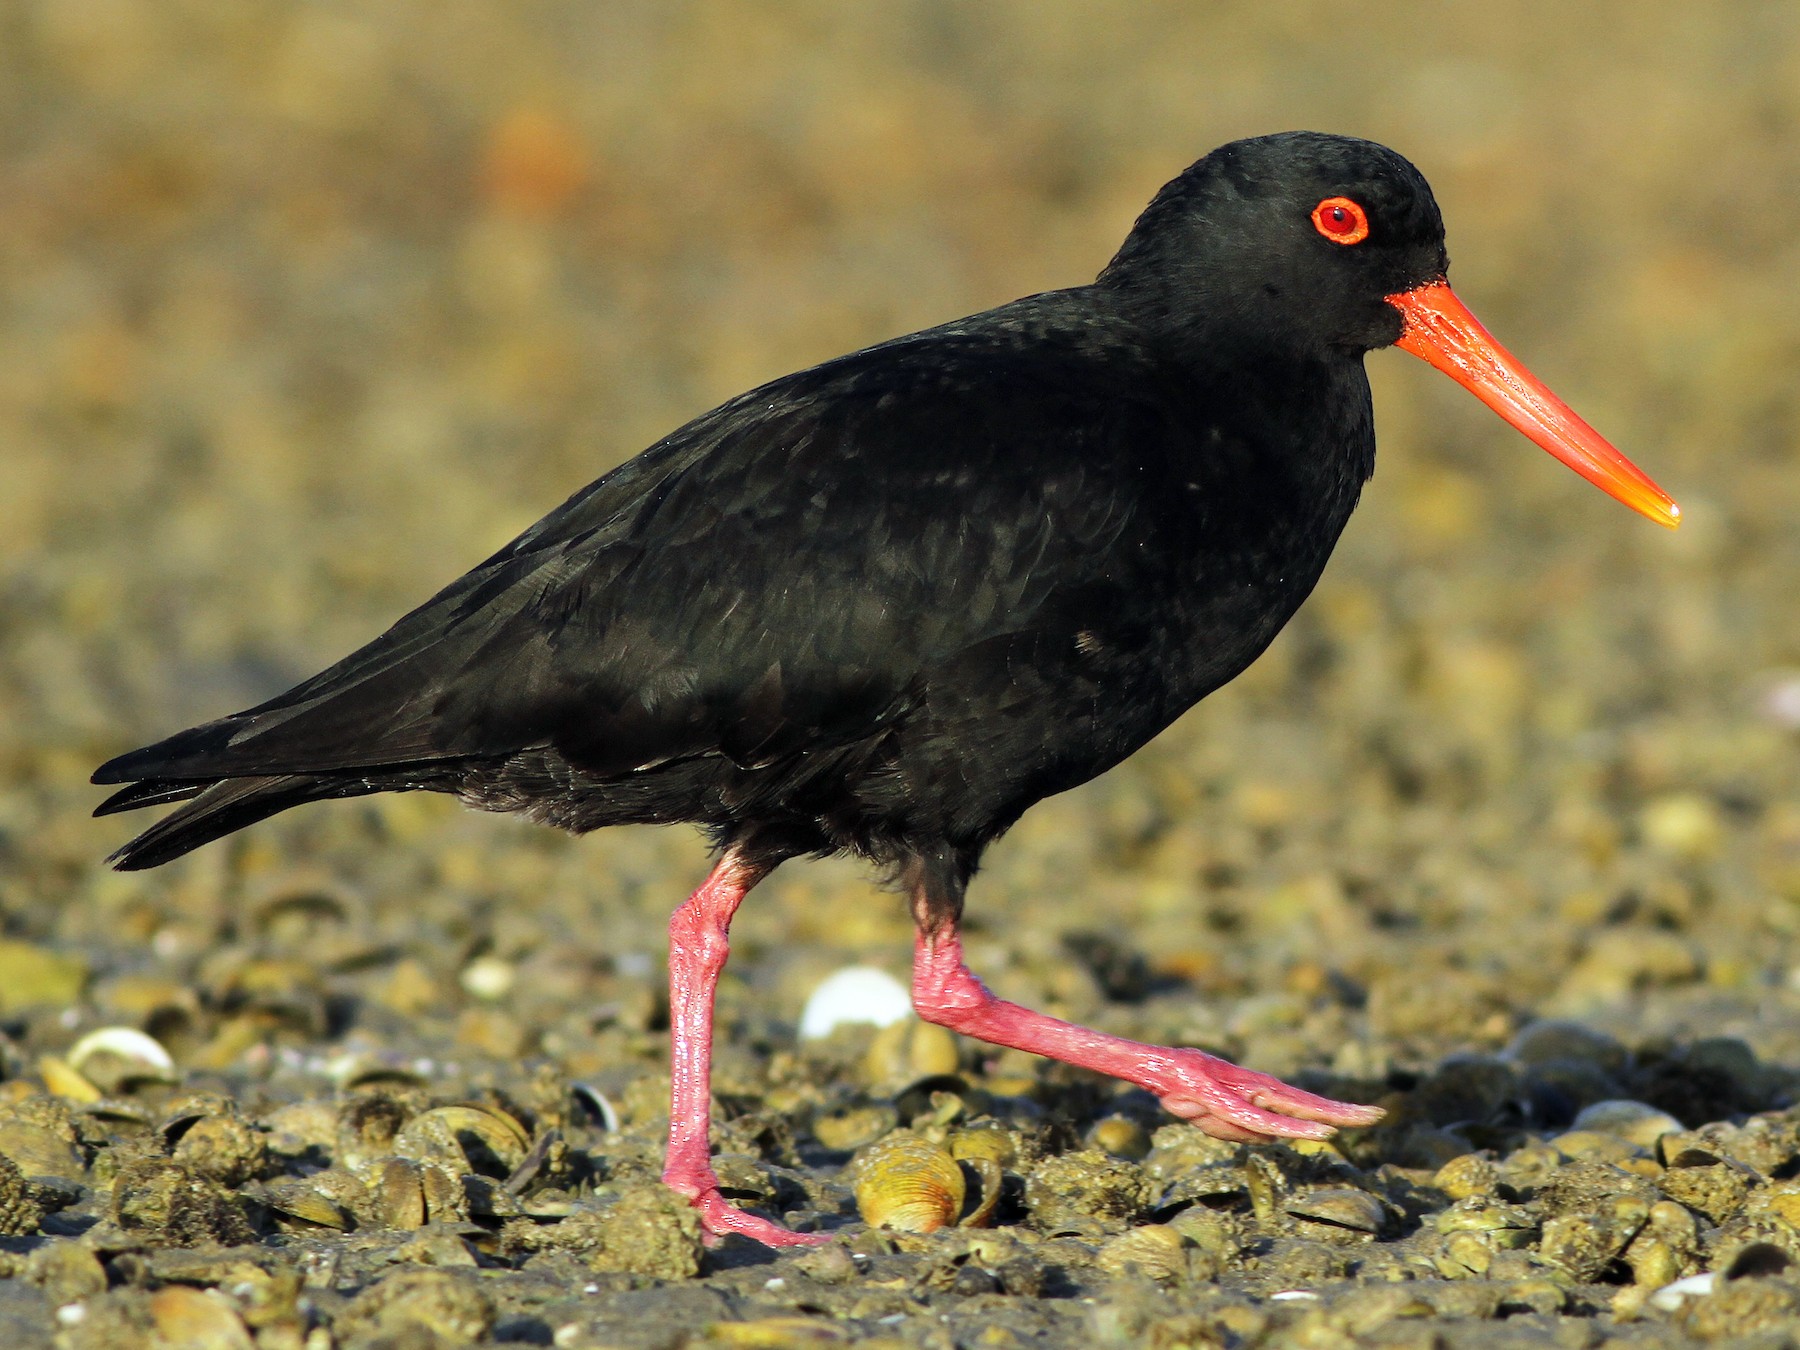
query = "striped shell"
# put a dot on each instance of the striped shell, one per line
(909, 1184)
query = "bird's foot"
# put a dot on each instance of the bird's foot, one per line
(1247, 1107)
(718, 1216)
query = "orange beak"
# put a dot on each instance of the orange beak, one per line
(1440, 329)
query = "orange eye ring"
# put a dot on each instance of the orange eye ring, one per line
(1341, 220)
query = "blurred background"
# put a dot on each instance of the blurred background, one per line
(306, 307)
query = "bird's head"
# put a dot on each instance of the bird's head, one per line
(1313, 244)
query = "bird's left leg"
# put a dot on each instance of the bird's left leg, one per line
(1223, 1100)
(698, 946)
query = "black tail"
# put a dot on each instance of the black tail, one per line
(216, 809)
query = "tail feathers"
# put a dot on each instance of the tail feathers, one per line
(197, 748)
(150, 792)
(216, 810)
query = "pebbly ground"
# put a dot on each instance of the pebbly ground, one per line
(303, 309)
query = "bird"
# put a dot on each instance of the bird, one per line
(884, 605)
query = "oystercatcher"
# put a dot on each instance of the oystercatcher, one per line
(884, 605)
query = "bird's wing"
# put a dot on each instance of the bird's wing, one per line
(777, 575)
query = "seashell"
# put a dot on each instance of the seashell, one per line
(936, 1102)
(911, 1049)
(399, 1195)
(1634, 1122)
(598, 1106)
(1266, 1185)
(118, 1059)
(62, 1080)
(985, 1139)
(1154, 1251)
(299, 908)
(1465, 1254)
(548, 1160)
(1214, 1185)
(298, 1199)
(853, 1128)
(851, 996)
(1341, 1207)
(909, 1184)
(370, 1070)
(117, 1112)
(549, 1204)
(987, 1173)
(445, 1199)
(1503, 1226)
(197, 1320)
(468, 1138)
(488, 1199)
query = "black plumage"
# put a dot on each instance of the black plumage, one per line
(885, 604)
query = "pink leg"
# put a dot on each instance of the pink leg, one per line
(1223, 1100)
(697, 952)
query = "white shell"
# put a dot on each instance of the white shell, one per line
(1669, 1297)
(123, 1042)
(854, 994)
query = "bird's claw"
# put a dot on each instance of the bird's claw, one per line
(718, 1216)
(1243, 1106)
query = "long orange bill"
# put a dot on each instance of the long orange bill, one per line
(1440, 329)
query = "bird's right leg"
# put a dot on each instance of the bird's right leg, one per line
(698, 946)
(1220, 1098)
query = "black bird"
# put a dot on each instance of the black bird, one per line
(884, 605)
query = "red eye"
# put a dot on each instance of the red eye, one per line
(1341, 220)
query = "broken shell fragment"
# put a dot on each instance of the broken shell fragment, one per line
(399, 1192)
(119, 1059)
(468, 1138)
(1341, 1207)
(297, 1198)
